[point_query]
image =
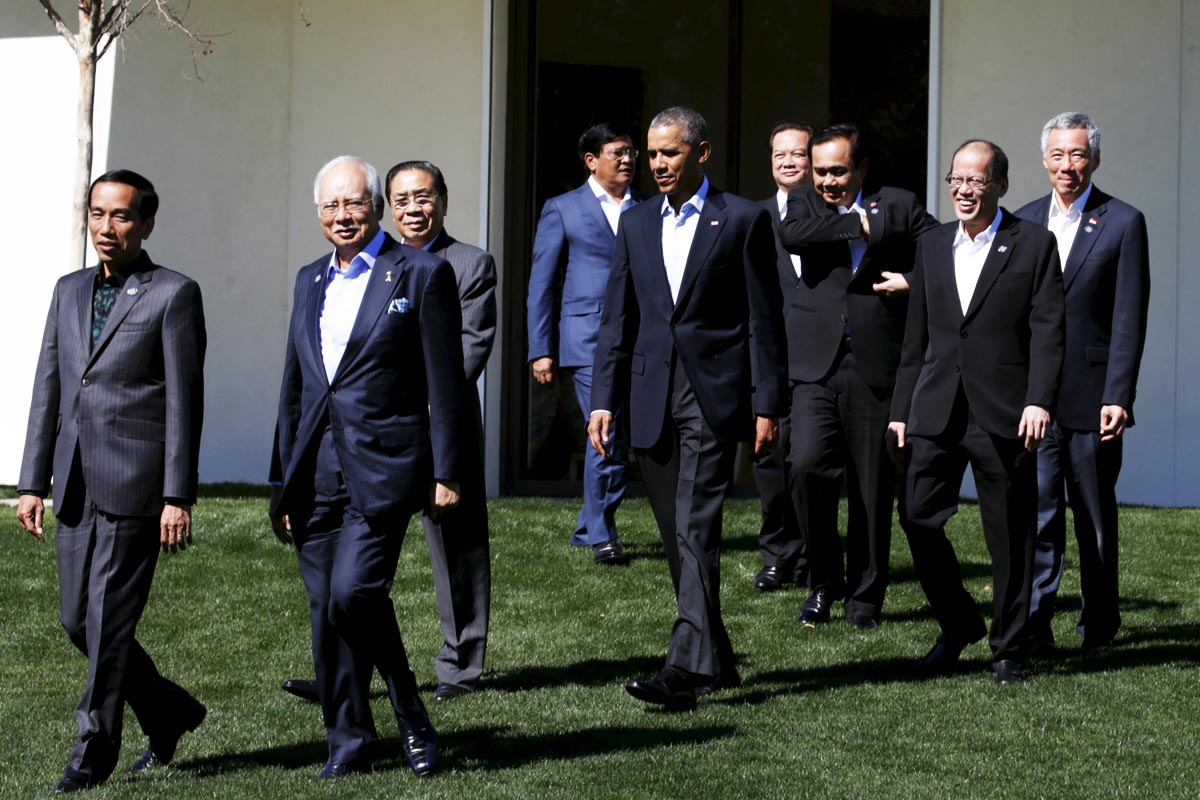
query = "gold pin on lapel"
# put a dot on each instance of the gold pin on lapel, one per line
(388, 278)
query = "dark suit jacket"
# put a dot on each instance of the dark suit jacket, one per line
(475, 275)
(1006, 351)
(1107, 284)
(396, 400)
(729, 293)
(133, 404)
(829, 294)
(574, 244)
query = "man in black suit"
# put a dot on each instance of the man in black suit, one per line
(845, 317)
(977, 383)
(117, 406)
(691, 322)
(780, 541)
(1102, 245)
(367, 435)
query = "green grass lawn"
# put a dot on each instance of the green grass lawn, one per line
(824, 713)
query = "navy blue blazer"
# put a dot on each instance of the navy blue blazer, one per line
(1006, 351)
(573, 240)
(397, 398)
(1107, 284)
(726, 326)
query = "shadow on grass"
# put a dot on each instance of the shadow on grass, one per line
(593, 672)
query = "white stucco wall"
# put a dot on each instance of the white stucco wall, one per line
(1006, 68)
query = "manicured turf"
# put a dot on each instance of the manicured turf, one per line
(824, 713)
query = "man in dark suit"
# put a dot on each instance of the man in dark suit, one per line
(780, 541)
(368, 434)
(574, 244)
(845, 317)
(977, 384)
(118, 401)
(691, 323)
(1102, 246)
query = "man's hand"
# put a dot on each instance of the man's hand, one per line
(766, 433)
(1035, 423)
(445, 498)
(598, 427)
(175, 528)
(866, 226)
(30, 511)
(896, 440)
(543, 369)
(283, 528)
(1113, 420)
(893, 283)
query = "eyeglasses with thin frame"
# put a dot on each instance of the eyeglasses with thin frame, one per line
(353, 205)
(403, 201)
(973, 182)
(622, 152)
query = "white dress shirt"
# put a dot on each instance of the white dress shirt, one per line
(343, 295)
(781, 198)
(608, 204)
(969, 255)
(1064, 223)
(858, 247)
(678, 230)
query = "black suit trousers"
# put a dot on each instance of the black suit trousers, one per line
(839, 427)
(780, 538)
(1006, 480)
(687, 474)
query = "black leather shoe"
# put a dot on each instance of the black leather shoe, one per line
(1008, 672)
(815, 610)
(73, 781)
(332, 771)
(610, 553)
(768, 579)
(942, 659)
(302, 688)
(162, 748)
(864, 622)
(449, 691)
(418, 739)
(668, 688)
(726, 680)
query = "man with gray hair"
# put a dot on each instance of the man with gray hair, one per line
(1102, 246)
(691, 323)
(367, 435)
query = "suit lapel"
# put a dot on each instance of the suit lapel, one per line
(651, 234)
(876, 216)
(86, 288)
(944, 280)
(593, 211)
(312, 312)
(1085, 236)
(135, 288)
(708, 228)
(385, 279)
(997, 258)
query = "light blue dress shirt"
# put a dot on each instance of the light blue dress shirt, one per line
(343, 295)
(678, 230)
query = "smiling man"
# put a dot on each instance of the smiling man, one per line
(845, 313)
(692, 303)
(1103, 250)
(977, 383)
(115, 420)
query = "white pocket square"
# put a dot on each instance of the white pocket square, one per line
(400, 305)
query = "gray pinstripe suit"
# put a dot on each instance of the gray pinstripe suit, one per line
(117, 425)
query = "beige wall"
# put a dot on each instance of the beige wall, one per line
(1005, 70)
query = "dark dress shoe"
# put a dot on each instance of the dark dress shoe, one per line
(449, 691)
(302, 688)
(418, 739)
(1008, 672)
(942, 658)
(864, 622)
(726, 680)
(332, 771)
(815, 610)
(73, 781)
(610, 553)
(162, 748)
(769, 579)
(669, 688)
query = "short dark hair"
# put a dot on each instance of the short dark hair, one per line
(694, 126)
(594, 138)
(999, 159)
(790, 126)
(428, 167)
(147, 198)
(858, 145)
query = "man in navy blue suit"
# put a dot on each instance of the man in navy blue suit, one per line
(691, 322)
(574, 244)
(367, 435)
(1102, 246)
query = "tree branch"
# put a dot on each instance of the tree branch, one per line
(60, 25)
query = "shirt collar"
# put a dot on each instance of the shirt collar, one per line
(602, 194)
(984, 237)
(1075, 210)
(781, 198)
(428, 245)
(696, 201)
(856, 206)
(363, 262)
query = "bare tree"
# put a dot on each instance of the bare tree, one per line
(99, 27)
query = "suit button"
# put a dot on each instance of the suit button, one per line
(963, 334)
(86, 382)
(956, 369)
(844, 318)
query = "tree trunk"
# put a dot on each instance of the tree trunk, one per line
(83, 158)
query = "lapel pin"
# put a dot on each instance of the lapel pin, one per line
(316, 279)
(1093, 221)
(874, 210)
(1002, 248)
(131, 291)
(388, 278)
(1087, 228)
(714, 223)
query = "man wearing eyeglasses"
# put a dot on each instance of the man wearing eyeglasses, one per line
(1102, 247)
(574, 245)
(367, 435)
(977, 383)
(845, 313)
